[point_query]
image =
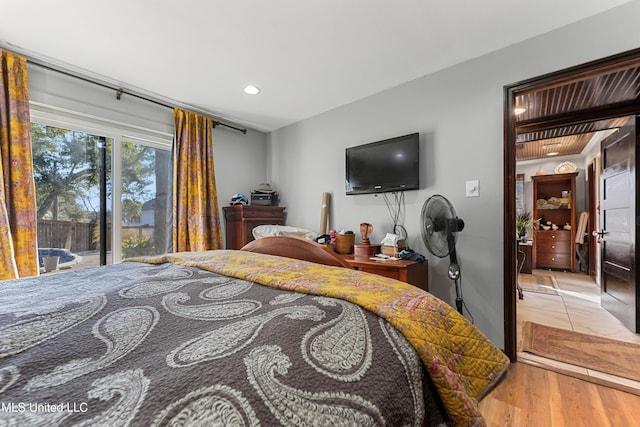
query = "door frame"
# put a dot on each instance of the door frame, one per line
(593, 179)
(117, 132)
(604, 111)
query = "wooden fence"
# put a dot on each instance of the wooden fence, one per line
(75, 236)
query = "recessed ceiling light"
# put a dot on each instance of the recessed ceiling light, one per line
(519, 110)
(251, 90)
(553, 153)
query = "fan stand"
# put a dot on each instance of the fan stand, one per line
(454, 273)
(458, 297)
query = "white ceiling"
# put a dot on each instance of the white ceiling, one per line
(306, 56)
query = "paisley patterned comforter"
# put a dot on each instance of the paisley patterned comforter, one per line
(145, 344)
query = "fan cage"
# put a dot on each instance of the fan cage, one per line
(437, 214)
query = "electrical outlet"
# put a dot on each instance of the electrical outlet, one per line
(472, 188)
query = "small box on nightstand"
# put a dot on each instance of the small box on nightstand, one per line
(365, 250)
(391, 251)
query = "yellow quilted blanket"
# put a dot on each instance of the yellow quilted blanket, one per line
(462, 362)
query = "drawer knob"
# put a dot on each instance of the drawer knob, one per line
(553, 259)
(553, 236)
(553, 246)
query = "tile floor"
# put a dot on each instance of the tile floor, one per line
(577, 308)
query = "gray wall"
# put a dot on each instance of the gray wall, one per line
(458, 112)
(240, 163)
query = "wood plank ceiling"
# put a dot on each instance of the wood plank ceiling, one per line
(574, 100)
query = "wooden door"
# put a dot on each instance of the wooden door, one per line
(618, 231)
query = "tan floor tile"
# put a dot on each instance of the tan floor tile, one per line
(581, 302)
(535, 301)
(584, 285)
(555, 319)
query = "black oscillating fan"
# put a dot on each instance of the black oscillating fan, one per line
(440, 226)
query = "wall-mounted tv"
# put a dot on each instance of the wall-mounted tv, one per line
(384, 166)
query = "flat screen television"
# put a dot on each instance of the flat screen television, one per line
(384, 166)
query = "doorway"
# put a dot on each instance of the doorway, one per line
(572, 102)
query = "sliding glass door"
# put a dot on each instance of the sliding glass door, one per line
(86, 182)
(68, 167)
(145, 186)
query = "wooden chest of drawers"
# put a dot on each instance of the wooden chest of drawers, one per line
(242, 219)
(553, 249)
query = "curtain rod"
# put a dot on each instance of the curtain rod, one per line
(120, 91)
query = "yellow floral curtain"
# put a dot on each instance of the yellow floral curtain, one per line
(18, 240)
(196, 222)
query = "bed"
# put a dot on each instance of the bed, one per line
(251, 337)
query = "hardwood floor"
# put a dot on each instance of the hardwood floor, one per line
(535, 397)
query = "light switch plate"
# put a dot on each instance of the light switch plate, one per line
(473, 188)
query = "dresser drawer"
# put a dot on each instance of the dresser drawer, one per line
(554, 247)
(391, 273)
(553, 260)
(269, 212)
(553, 236)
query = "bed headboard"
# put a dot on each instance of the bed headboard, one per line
(293, 247)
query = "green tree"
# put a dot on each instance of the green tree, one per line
(65, 172)
(138, 165)
(67, 176)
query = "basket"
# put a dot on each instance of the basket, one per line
(344, 243)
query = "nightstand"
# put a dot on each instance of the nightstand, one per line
(412, 272)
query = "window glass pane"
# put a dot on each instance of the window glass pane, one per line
(145, 185)
(67, 169)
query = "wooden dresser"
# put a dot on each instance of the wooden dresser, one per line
(412, 272)
(555, 248)
(240, 220)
